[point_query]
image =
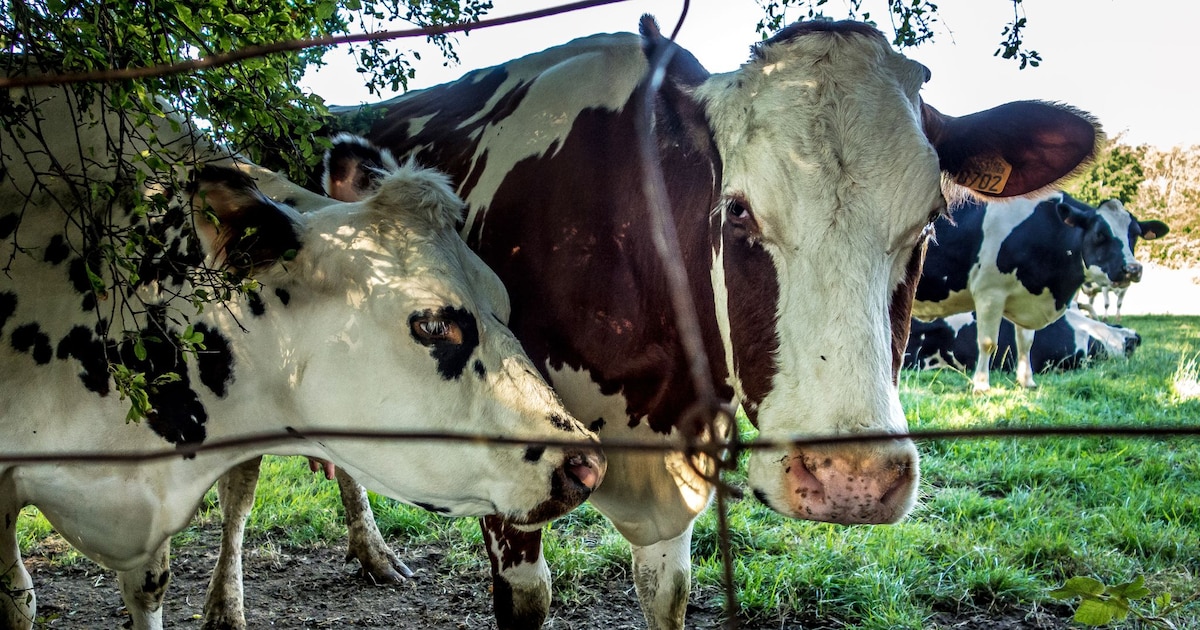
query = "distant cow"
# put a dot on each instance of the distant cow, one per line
(371, 316)
(1098, 281)
(800, 187)
(1021, 260)
(1066, 344)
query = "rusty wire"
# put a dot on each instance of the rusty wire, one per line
(704, 434)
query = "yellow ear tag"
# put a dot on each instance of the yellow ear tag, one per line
(985, 175)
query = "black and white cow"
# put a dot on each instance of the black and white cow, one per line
(371, 316)
(801, 187)
(1067, 344)
(1100, 282)
(1023, 260)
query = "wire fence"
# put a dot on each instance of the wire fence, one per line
(709, 414)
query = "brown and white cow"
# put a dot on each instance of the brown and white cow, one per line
(371, 315)
(801, 186)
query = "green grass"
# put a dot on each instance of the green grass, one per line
(1000, 522)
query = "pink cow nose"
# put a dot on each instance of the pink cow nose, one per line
(585, 469)
(852, 486)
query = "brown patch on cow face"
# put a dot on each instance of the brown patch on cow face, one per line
(900, 309)
(752, 284)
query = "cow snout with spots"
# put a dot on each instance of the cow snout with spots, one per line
(371, 316)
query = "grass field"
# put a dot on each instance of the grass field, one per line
(1000, 523)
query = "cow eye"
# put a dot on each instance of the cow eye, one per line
(737, 210)
(436, 330)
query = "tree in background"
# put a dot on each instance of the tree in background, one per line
(1116, 174)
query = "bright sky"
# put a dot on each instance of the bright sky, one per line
(1131, 63)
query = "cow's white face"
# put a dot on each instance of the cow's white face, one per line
(392, 323)
(1107, 250)
(829, 184)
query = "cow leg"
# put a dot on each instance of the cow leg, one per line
(17, 601)
(653, 499)
(988, 339)
(1024, 338)
(379, 563)
(520, 576)
(1106, 301)
(1090, 306)
(223, 603)
(143, 589)
(1120, 300)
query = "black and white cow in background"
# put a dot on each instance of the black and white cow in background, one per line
(801, 186)
(1067, 344)
(369, 316)
(1023, 260)
(1098, 281)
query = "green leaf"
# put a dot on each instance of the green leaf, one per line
(1094, 612)
(238, 20)
(139, 349)
(1131, 590)
(1079, 586)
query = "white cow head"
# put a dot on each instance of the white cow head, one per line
(391, 323)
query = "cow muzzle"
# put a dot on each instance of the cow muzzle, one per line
(863, 484)
(1131, 273)
(571, 483)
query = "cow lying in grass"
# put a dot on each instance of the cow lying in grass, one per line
(371, 315)
(1067, 344)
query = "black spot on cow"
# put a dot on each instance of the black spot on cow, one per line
(78, 275)
(451, 355)
(596, 425)
(8, 224)
(177, 413)
(431, 508)
(8, 306)
(57, 250)
(91, 353)
(1059, 269)
(257, 307)
(560, 422)
(30, 338)
(534, 453)
(215, 362)
(949, 264)
(284, 296)
(480, 371)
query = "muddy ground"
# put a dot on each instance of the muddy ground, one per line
(311, 587)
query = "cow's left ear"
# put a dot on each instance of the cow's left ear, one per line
(1153, 229)
(354, 166)
(677, 111)
(1074, 216)
(240, 228)
(1016, 149)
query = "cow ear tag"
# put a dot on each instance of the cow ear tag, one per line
(985, 175)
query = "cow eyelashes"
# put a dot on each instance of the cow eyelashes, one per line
(431, 329)
(740, 219)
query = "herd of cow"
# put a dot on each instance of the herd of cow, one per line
(516, 291)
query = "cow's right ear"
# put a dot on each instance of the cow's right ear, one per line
(240, 228)
(1153, 229)
(354, 166)
(1075, 217)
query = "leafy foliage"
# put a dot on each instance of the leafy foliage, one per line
(1101, 605)
(913, 22)
(1116, 173)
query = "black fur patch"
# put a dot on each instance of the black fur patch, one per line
(215, 362)
(451, 358)
(560, 423)
(8, 306)
(57, 250)
(30, 338)
(596, 425)
(91, 353)
(431, 508)
(534, 453)
(178, 415)
(257, 307)
(480, 371)
(284, 296)
(8, 224)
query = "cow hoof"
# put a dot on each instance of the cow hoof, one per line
(389, 570)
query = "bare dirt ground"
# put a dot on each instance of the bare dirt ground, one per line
(313, 588)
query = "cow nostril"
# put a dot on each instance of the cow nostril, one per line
(584, 470)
